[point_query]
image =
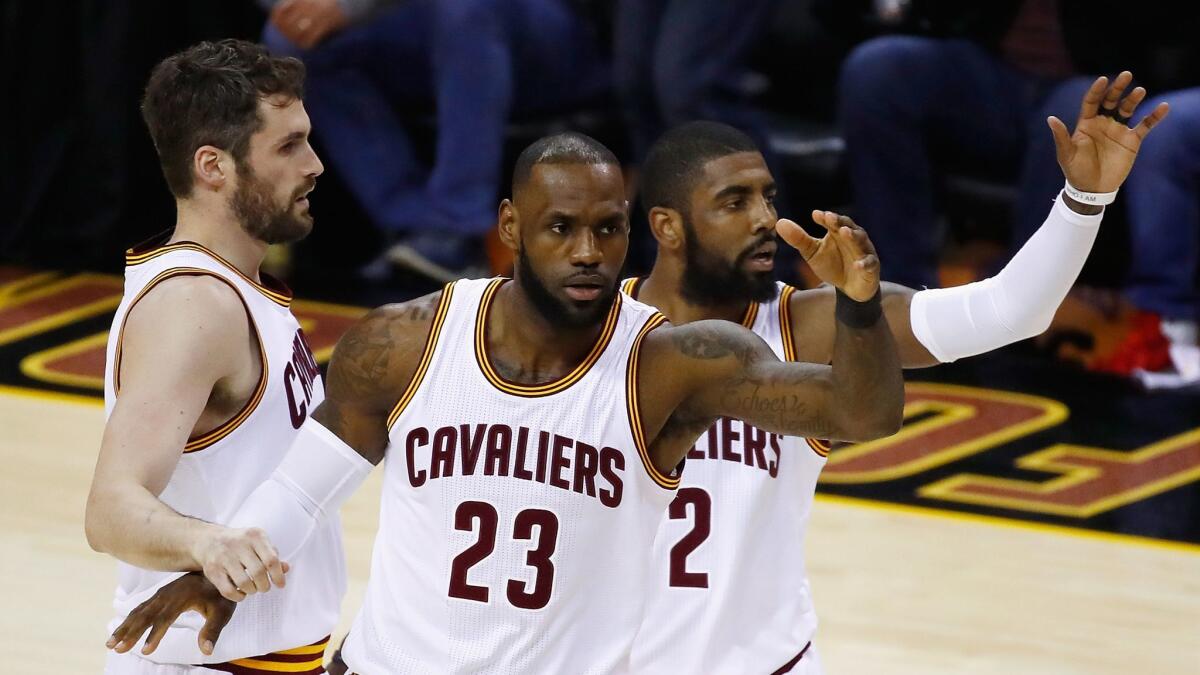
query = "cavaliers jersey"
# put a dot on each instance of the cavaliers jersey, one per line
(516, 520)
(730, 592)
(220, 468)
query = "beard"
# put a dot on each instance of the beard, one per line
(709, 280)
(559, 313)
(262, 217)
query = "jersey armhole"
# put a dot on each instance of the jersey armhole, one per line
(431, 339)
(208, 438)
(785, 323)
(821, 448)
(634, 409)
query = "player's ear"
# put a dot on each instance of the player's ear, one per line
(667, 226)
(509, 224)
(209, 165)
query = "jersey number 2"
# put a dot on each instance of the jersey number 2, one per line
(538, 557)
(701, 504)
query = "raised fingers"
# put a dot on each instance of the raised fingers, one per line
(826, 219)
(1091, 100)
(858, 234)
(1112, 96)
(849, 237)
(1130, 103)
(1063, 148)
(1149, 121)
(797, 238)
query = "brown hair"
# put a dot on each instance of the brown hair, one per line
(208, 94)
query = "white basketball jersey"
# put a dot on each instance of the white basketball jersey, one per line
(730, 593)
(220, 468)
(516, 520)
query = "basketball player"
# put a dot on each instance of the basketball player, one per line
(534, 428)
(731, 594)
(208, 374)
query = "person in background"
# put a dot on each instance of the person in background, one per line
(977, 82)
(1162, 198)
(681, 60)
(478, 62)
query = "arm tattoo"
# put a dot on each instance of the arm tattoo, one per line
(707, 340)
(372, 349)
(364, 354)
(371, 367)
(775, 401)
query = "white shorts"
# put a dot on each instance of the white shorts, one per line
(809, 664)
(130, 663)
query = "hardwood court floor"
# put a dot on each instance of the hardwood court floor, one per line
(899, 590)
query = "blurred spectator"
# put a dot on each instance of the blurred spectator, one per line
(478, 62)
(972, 90)
(680, 60)
(978, 87)
(1162, 197)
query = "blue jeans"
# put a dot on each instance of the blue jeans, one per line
(478, 62)
(681, 60)
(1162, 195)
(900, 96)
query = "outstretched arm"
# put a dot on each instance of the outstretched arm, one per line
(941, 325)
(1020, 301)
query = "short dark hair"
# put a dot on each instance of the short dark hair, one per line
(678, 156)
(569, 147)
(208, 94)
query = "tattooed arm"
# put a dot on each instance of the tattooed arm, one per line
(372, 365)
(708, 369)
(721, 369)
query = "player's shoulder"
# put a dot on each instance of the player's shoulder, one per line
(637, 311)
(190, 300)
(799, 299)
(707, 340)
(195, 323)
(401, 321)
(379, 353)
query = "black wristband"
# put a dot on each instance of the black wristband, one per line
(858, 314)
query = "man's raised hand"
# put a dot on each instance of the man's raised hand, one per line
(844, 257)
(1099, 154)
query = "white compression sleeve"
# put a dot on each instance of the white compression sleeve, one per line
(318, 473)
(1017, 303)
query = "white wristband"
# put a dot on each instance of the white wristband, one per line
(1093, 198)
